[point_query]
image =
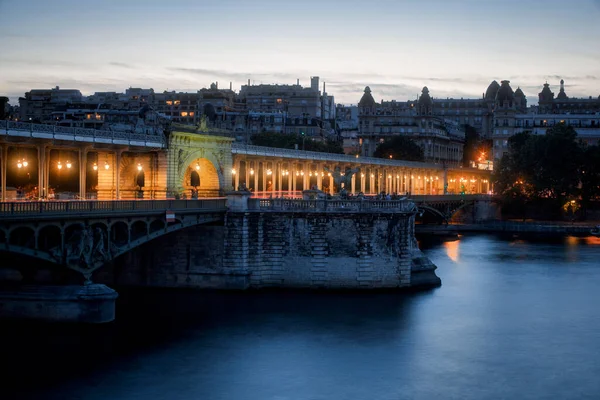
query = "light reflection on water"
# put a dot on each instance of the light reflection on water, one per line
(517, 320)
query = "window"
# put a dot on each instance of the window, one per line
(184, 114)
(177, 102)
(169, 102)
(191, 113)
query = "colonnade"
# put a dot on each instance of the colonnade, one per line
(109, 173)
(285, 177)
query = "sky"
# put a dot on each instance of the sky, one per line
(454, 47)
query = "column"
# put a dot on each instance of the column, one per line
(3, 177)
(264, 177)
(41, 171)
(304, 176)
(47, 171)
(118, 173)
(82, 172)
(236, 166)
(353, 184)
(320, 176)
(445, 181)
(256, 169)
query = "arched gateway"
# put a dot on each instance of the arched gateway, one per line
(199, 164)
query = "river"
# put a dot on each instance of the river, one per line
(513, 319)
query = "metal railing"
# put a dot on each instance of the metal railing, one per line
(331, 205)
(57, 132)
(33, 208)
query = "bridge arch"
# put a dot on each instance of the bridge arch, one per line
(212, 182)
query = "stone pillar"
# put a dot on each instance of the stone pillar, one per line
(118, 173)
(236, 165)
(255, 164)
(445, 181)
(353, 184)
(319, 176)
(3, 156)
(82, 172)
(47, 171)
(40, 157)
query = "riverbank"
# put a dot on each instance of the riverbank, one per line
(511, 227)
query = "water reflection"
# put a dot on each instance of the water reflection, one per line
(517, 320)
(452, 249)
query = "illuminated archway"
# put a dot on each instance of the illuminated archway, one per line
(209, 182)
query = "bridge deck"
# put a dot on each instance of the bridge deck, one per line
(53, 209)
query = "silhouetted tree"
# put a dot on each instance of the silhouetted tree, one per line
(400, 148)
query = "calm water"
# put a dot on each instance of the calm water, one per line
(513, 320)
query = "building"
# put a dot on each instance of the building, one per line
(346, 124)
(441, 139)
(38, 104)
(511, 115)
(180, 107)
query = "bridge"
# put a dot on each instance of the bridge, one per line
(170, 190)
(52, 162)
(85, 235)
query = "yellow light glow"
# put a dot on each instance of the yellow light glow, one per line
(95, 167)
(106, 166)
(69, 164)
(139, 167)
(233, 171)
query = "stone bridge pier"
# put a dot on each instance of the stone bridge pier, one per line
(324, 244)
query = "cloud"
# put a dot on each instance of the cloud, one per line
(120, 64)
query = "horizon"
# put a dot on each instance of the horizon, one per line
(394, 47)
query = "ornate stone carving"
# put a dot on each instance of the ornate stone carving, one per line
(341, 180)
(85, 250)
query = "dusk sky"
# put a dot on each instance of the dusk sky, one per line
(455, 47)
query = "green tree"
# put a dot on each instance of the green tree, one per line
(399, 148)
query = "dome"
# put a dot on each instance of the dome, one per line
(519, 93)
(367, 99)
(490, 93)
(425, 99)
(546, 94)
(505, 93)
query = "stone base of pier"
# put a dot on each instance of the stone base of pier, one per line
(93, 303)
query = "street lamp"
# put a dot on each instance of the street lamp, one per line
(59, 165)
(139, 167)
(95, 167)
(197, 167)
(68, 164)
(106, 166)
(19, 164)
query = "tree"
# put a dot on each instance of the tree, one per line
(399, 148)
(471, 146)
(541, 168)
(288, 141)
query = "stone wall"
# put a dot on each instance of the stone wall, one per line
(283, 250)
(319, 250)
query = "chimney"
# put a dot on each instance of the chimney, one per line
(298, 82)
(217, 84)
(324, 91)
(230, 85)
(248, 81)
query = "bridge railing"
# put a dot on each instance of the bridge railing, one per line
(80, 132)
(107, 206)
(331, 205)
